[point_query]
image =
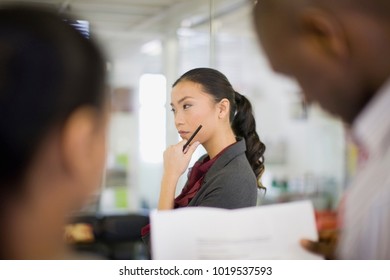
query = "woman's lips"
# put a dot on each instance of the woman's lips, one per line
(183, 133)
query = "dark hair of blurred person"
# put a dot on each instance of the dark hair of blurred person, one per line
(52, 129)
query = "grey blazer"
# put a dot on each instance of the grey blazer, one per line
(230, 182)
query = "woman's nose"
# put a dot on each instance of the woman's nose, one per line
(179, 120)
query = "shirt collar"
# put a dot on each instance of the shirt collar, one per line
(372, 124)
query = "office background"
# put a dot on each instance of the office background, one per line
(149, 44)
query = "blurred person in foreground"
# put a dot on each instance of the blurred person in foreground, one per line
(338, 51)
(52, 129)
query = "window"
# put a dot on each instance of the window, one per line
(152, 117)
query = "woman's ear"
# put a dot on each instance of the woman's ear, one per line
(223, 108)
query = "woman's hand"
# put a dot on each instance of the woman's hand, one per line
(176, 162)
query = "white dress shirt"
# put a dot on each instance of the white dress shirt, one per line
(366, 217)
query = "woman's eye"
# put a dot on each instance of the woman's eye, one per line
(186, 106)
(173, 110)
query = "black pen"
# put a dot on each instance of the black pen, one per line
(192, 137)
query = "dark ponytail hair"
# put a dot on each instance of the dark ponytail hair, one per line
(241, 116)
(244, 125)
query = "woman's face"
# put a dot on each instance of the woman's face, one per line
(193, 107)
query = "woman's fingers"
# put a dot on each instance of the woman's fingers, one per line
(191, 148)
(175, 160)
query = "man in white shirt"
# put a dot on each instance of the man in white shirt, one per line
(338, 51)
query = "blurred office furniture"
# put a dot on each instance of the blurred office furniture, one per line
(116, 237)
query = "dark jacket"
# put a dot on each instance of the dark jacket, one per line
(230, 182)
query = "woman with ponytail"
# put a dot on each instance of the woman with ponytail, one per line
(228, 176)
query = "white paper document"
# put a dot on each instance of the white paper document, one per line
(263, 232)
